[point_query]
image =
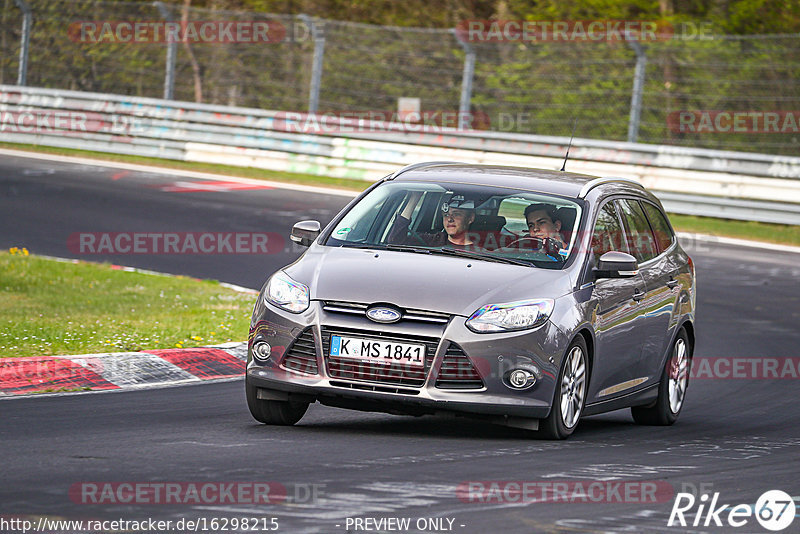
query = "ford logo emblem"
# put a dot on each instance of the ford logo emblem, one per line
(382, 314)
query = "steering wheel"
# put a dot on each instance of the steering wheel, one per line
(548, 245)
(524, 242)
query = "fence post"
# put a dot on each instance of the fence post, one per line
(318, 34)
(638, 88)
(172, 51)
(467, 75)
(27, 20)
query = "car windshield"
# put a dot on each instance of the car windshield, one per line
(474, 221)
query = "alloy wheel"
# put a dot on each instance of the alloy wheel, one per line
(573, 387)
(678, 376)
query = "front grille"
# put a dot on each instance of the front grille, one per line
(409, 314)
(371, 387)
(395, 373)
(302, 355)
(457, 371)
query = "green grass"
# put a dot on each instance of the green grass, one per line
(773, 233)
(49, 307)
(756, 231)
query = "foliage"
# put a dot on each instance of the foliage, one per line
(709, 63)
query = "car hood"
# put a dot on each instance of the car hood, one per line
(457, 286)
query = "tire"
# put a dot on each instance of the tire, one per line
(672, 388)
(569, 397)
(272, 412)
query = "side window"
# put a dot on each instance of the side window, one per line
(607, 234)
(641, 242)
(661, 228)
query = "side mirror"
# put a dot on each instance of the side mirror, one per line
(305, 232)
(615, 264)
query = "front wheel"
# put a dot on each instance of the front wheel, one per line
(273, 412)
(672, 388)
(570, 395)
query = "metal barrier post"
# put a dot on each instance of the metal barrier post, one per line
(172, 51)
(466, 82)
(318, 34)
(27, 20)
(638, 88)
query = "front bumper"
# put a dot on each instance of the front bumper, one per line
(493, 356)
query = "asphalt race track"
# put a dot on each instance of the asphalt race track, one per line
(738, 437)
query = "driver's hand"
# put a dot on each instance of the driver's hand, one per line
(552, 246)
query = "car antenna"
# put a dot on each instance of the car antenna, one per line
(574, 124)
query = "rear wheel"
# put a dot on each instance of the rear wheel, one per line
(570, 394)
(672, 388)
(272, 412)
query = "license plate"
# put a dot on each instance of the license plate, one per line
(380, 352)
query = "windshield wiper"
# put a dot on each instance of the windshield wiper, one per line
(478, 255)
(444, 251)
(389, 246)
(407, 248)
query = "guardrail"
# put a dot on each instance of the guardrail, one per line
(733, 185)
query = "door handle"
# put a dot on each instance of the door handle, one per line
(638, 295)
(672, 283)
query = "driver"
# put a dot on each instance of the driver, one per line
(457, 215)
(543, 223)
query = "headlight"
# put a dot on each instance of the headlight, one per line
(511, 316)
(286, 294)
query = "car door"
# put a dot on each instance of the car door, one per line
(665, 277)
(616, 317)
(658, 272)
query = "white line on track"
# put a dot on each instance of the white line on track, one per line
(180, 173)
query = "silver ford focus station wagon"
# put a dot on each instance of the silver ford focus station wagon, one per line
(518, 296)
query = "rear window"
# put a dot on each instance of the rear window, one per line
(663, 232)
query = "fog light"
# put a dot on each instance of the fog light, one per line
(261, 350)
(521, 379)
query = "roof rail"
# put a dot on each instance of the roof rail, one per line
(413, 166)
(588, 186)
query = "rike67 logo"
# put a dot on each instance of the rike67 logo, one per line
(774, 510)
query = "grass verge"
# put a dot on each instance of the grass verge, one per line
(783, 234)
(771, 233)
(49, 307)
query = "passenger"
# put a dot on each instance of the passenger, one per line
(543, 223)
(457, 215)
